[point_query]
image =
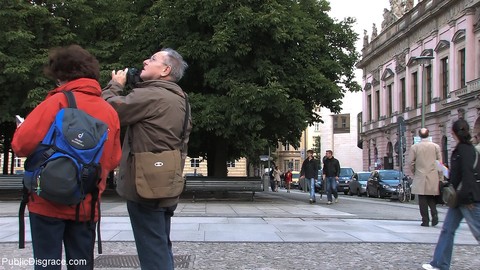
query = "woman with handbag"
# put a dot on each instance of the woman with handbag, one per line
(463, 179)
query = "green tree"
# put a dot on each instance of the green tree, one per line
(317, 150)
(257, 69)
(30, 28)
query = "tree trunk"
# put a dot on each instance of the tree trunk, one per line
(217, 158)
(7, 133)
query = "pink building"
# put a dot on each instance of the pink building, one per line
(395, 79)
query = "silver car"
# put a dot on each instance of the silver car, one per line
(358, 184)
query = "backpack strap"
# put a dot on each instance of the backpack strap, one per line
(71, 99)
(21, 218)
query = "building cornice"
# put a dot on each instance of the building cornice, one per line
(414, 26)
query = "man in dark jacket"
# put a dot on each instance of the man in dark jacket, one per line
(154, 113)
(309, 172)
(331, 171)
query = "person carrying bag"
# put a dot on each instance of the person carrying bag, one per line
(159, 175)
(465, 184)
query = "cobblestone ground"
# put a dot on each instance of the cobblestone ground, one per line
(275, 256)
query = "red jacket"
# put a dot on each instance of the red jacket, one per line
(26, 138)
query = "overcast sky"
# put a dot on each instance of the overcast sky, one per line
(365, 12)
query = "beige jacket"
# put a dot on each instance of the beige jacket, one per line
(426, 175)
(153, 115)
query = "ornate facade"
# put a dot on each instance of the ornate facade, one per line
(397, 85)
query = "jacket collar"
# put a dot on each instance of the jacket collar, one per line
(84, 85)
(167, 85)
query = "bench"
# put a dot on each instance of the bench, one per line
(11, 182)
(209, 184)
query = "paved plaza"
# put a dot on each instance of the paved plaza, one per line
(269, 233)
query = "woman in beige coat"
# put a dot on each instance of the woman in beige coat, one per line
(277, 179)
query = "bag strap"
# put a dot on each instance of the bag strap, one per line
(185, 125)
(185, 122)
(71, 99)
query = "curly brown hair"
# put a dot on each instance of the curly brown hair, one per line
(70, 63)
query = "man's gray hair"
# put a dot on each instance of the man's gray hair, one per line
(176, 63)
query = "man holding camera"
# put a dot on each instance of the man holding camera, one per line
(154, 113)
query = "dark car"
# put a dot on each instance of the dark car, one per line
(343, 179)
(318, 183)
(384, 183)
(358, 183)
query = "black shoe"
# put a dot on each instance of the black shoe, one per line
(434, 221)
(424, 224)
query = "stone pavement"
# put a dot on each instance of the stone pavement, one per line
(269, 233)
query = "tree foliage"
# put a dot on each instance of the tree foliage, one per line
(28, 30)
(257, 68)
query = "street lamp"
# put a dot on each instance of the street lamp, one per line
(423, 61)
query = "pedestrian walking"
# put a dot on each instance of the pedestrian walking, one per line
(157, 117)
(331, 171)
(55, 226)
(271, 174)
(288, 179)
(276, 178)
(424, 159)
(464, 181)
(309, 172)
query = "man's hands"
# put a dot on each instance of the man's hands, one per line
(120, 76)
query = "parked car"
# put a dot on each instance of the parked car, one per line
(358, 183)
(384, 183)
(319, 183)
(295, 178)
(346, 174)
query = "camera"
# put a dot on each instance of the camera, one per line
(133, 77)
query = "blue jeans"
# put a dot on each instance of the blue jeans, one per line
(311, 183)
(442, 256)
(331, 185)
(48, 235)
(151, 229)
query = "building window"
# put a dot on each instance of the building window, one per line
(390, 100)
(369, 107)
(378, 104)
(444, 77)
(341, 123)
(194, 162)
(316, 126)
(286, 147)
(462, 67)
(415, 89)
(286, 165)
(296, 165)
(18, 162)
(428, 71)
(445, 150)
(403, 98)
(230, 164)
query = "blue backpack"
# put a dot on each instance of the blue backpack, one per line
(65, 166)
